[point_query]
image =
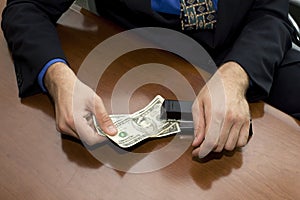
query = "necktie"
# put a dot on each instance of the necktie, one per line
(197, 14)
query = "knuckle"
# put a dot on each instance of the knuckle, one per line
(235, 117)
(61, 127)
(105, 119)
(69, 120)
(58, 128)
(230, 117)
(243, 117)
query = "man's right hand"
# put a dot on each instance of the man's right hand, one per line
(73, 102)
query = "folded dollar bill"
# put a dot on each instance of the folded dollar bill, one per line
(136, 127)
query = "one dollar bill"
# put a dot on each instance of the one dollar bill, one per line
(143, 124)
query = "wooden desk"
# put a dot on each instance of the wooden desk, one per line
(37, 163)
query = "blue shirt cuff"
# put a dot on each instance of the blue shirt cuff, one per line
(44, 70)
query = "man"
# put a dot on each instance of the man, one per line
(250, 41)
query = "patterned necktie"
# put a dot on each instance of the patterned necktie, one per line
(197, 14)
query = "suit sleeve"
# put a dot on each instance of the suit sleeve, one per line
(262, 44)
(29, 28)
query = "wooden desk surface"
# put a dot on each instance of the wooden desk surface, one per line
(37, 163)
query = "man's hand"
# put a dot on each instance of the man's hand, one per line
(74, 101)
(221, 112)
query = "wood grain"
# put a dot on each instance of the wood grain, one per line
(38, 163)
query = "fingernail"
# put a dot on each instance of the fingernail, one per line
(112, 129)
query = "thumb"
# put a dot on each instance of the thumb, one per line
(103, 118)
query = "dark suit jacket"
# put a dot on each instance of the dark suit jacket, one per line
(253, 33)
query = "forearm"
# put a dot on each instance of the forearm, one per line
(29, 28)
(261, 45)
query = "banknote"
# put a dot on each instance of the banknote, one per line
(172, 128)
(140, 125)
(143, 124)
(169, 128)
(114, 118)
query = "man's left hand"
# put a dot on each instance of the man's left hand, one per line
(221, 112)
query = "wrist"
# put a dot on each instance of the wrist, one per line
(43, 71)
(57, 76)
(235, 76)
